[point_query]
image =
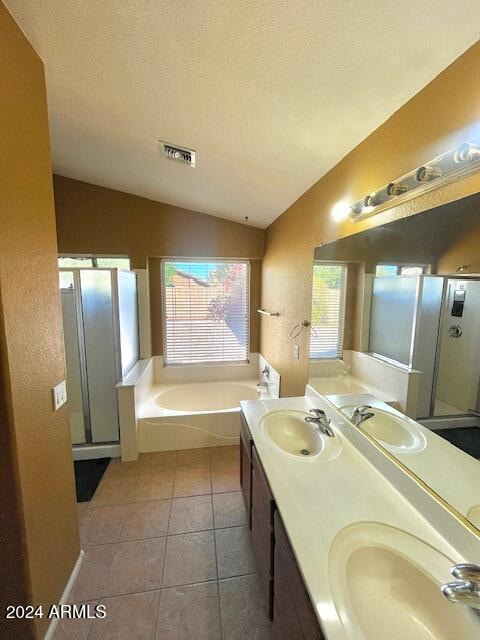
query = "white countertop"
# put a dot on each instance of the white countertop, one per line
(436, 463)
(317, 498)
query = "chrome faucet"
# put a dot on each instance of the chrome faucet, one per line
(320, 419)
(263, 385)
(466, 588)
(361, 413)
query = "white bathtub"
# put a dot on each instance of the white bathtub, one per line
(192, 415)
(206, 396)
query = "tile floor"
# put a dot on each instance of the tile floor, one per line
(168, 552)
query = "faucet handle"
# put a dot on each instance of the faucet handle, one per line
(466, 571)
(463, 592)
(362, 407)
(318, 412)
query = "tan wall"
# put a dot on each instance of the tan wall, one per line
(442, 115)
(96, 220)
(40, 545)
(93, 219)
(465, 252)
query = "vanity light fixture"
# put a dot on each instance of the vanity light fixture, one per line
(467, 152)
(396, 189)
(442, 170)
(427, 173)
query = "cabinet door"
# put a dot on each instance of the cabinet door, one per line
(286, 625)
(262, 529)
(291, 596)
(246, 478)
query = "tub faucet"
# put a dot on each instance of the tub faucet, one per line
(361, 413)
(263, 385)
(321, 420)
(466, 588)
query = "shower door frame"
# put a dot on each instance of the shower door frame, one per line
(457, 418)
(77, 290)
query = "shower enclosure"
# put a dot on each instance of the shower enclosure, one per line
(431, 323)
(100, 322)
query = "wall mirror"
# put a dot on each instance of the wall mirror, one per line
(395, 343)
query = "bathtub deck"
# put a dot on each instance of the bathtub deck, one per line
(168, 551)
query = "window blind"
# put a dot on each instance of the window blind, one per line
(328, 310)
(206, 311)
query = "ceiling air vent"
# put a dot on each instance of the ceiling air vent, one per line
(178, 154)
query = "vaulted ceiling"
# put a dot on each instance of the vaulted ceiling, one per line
(271, 95)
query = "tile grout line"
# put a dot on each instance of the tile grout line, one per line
(216, 571)
(157, 617)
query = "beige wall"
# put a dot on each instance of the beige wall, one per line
(442, 115)
(93, 219)
(39, 532)
(96, 220)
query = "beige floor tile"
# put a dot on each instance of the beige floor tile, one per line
(137, 566)
(114, 490)
(189, 558)
(119, 468)
(229, 509)
(235, 555)
(242, 609)
(154, 486)
(102, 525)
(193, 459)
(75, 628)
(191, 482)
(93, 573)
(191, 514)
(225, 456)
(157, 461)
(189, 613)
(225, 479)
(146, 520)
(129, 617)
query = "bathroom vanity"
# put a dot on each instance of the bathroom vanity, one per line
(286, 598)
(333, 527)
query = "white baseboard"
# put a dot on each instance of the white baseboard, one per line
(66, 592)
(96, 451)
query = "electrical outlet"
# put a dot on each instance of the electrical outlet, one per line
(296, 352)
(59, 395)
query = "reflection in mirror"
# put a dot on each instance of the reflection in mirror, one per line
(395, 342)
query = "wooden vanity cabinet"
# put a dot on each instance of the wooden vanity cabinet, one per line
(246, 443)
(287, 601)
(294, 614)
(262, 510)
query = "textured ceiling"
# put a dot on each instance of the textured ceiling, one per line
(270, 94)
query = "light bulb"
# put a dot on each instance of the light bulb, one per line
(340, 211)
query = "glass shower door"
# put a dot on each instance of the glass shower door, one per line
(102, 359)
(74, 357)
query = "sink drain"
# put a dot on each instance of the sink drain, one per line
(305, 452)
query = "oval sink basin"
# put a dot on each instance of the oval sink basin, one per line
(396, 433)
(386, 584)
(289, 431)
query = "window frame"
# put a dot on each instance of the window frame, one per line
(400, 265)
(343, 306)
(206, 363)
(93, 258)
